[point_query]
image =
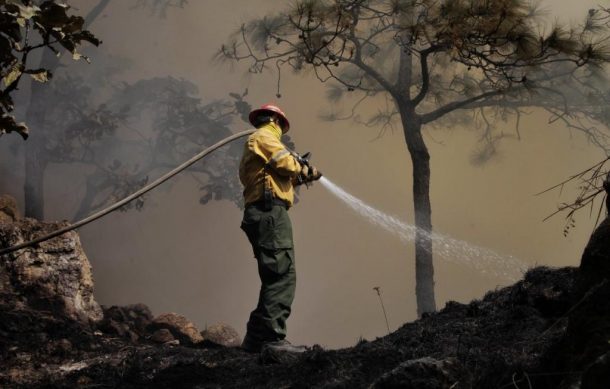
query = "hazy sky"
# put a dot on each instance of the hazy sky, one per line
(180, 256)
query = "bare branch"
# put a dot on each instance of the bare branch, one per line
(438, 113)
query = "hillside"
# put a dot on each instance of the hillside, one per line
(549, 330)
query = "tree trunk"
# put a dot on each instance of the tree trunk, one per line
(93, 189)
(34, 178)
(420, 157)
(35, 163)
(35, 157)
(86, 202)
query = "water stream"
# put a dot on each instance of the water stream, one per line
(482, 259)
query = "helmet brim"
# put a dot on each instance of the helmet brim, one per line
(257, 112)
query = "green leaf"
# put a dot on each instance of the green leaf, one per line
(12, 76)
(25, 12)
(40, 75)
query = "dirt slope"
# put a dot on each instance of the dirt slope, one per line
(549, 330)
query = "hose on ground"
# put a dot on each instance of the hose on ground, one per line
(129, 198)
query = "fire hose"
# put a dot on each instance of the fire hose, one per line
(129, 198)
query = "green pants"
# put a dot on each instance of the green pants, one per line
(270, 233)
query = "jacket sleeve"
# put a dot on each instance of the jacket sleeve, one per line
(276, 156)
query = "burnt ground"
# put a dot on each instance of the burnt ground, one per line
(549, 330)
(545, 331)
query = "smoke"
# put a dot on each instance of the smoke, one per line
(179, 255)
(480, 259)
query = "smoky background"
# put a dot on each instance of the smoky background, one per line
(179, 255)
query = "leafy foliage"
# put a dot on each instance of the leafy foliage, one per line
(434, 60)
(26, 27)
(440, 58)
(592, 183)
(141, 129)
(470, 63)
(121, 133)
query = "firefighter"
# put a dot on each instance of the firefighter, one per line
(269, 172)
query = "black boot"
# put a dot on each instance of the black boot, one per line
(251, 345)
(283, 346)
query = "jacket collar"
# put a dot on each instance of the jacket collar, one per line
(273, 129)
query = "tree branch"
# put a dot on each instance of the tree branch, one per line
(94, 13)
(425, 73)
(447, 108)
(357, 60)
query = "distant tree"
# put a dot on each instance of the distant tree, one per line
(476, 62)
(120, 133)
(25, 28)
(36, 157)
(135, 131)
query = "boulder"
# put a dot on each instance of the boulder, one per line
(129, 321)
(222, 335)
(8, 209)
(162, 336)
(587, 347)
(595, 261)
(180, 327)
(53, 276)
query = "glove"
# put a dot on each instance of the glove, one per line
(309, 174)
(302, 176)
(314, 174)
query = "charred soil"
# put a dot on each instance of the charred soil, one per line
(549, 330)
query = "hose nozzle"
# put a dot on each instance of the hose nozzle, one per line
(311, 173)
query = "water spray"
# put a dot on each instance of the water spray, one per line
(450, 249)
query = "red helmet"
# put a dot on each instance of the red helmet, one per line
(267, 109)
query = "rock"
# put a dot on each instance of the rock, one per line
(59, 347)
(587, 347)
(179, 326)
(118, 328)
(8, 209)
(595, 261)
(63, 346)
(222, 335)
(130, 321)
(172, 343)
(54, 276)
(422, 373)
(111, 326)
(162, 336)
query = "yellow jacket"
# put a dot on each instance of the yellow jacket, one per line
(267, 163)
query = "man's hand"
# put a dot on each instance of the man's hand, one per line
(309, 174)
(314, 174)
